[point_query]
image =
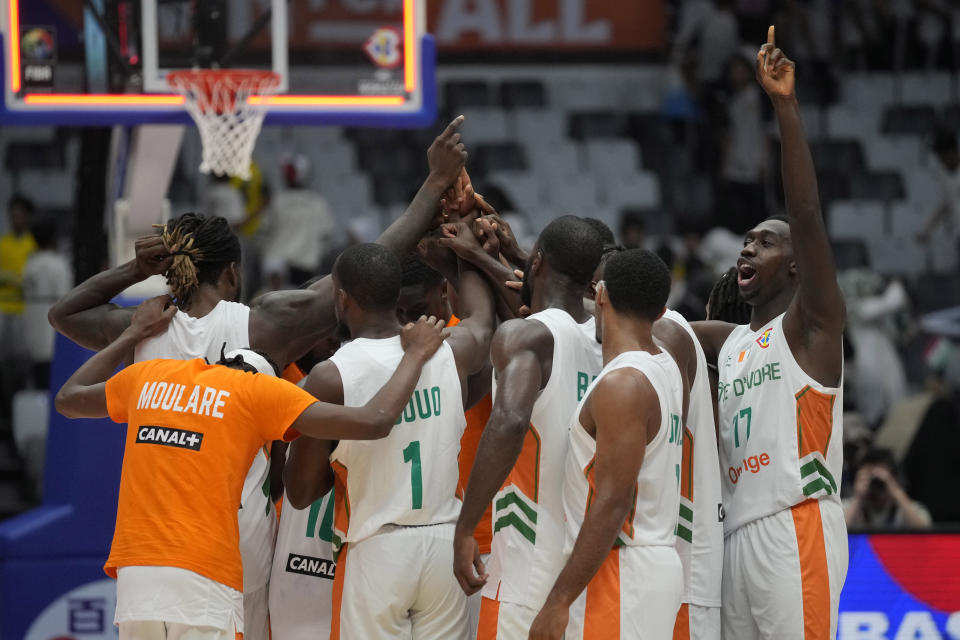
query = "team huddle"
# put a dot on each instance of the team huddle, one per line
(484, 442)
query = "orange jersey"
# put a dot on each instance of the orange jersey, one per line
(193, 431)
(293, 373)
(477, 418)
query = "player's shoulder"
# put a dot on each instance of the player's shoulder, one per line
(522, 333)
(622, 387)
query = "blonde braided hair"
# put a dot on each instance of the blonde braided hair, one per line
(182, 276)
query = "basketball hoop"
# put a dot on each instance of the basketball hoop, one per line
(217, 101)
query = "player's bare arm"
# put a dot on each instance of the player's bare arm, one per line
(286, 324)
(712, 334)
(815, 319)
(86, 315)
(470, 340)
(522, 356)
(623, 413)
(673, 338)
(83, 395)
(307, 475)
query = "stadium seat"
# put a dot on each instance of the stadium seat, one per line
(934, 87)
(468, 93)
(912, 120)
(581, 93)
(950, 118)
(48, 188)
(923, 189)
(844, 122)
(891, 255)
(850, 253)
(523, 94)
(523, 189)
(832, 186)
(574, 194)
(332, 159)
(877, 185)
(837, 156)
(482, 125)
(392, 190)
(638, 190)
(500, 156)
(560, 157)
(596, 124)
(610, 156)
(347, 191)
(856, 219)
(386, 161)
(538, 126)
(896, 152)
(907, 219)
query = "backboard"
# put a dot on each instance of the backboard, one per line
(104, 62)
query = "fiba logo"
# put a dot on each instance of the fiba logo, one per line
(764, 339)
(384, 47)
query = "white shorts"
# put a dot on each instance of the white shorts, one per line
(697, 623)
(397, 584)
(782, 574)
(255, 608)
(154, 630)
(504, 620)
(635, 595)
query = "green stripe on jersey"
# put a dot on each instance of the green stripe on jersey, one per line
(513, 498)
(686, 512)
(684, 533)
(513, 520)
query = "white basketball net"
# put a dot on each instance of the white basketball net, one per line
(228, 123)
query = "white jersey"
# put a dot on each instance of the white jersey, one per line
(186, 338)
(652, 519)
(700, 527)
(411, 477)
(528, 539)
(301, 583)
(781, 432)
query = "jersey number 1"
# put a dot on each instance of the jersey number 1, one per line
(412, 455)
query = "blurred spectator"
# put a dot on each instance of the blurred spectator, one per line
(46, 278)
(875, 313)
(221, 199)
(256, 196)
(946, 170)
(878, 499)
(15, 248)
(299, 226)
(633, 230)
(709, 31)
(741, 199)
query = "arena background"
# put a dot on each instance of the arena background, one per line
(643, 114)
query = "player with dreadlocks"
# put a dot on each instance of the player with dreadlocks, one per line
(725, 303)
(200, 257)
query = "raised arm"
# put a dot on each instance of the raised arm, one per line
(816, 316)
(86, 315)
(626, 413)
(470, 340)
(83, 395)
(286, 324)
(522, 355)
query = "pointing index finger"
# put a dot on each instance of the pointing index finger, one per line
(771, 35)
(452, 127)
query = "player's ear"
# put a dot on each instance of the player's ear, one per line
(662, 311)
(600, 296)
(537, 263)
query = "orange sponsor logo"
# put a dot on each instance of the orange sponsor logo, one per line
(753, 464)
